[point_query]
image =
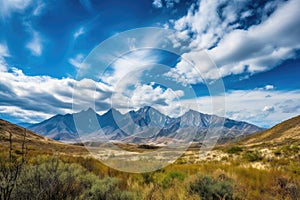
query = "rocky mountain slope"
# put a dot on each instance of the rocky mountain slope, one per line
(142, 126)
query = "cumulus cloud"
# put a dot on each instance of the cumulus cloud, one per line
(35, 44)
(28, 116)
(259, 47)
(205, 23)
(145, 95)
(263, 46)
(34, 98)
(127, 69)
(125, 75)
(194, 67)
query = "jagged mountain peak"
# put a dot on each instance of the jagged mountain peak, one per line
(144, 109)
(193, 112)
(87, 111)
(144, 121)
(112, 111)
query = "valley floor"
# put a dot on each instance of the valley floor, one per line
(229, 172)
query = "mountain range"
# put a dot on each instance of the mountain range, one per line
(146, 125)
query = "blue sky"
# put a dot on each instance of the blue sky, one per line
(254, 44)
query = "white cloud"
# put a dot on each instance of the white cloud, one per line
(40, 5)
(260, 107)
(125, 74)
(167, 3)
(124, 64)
(9, 6)
(34, 98)
(259, 48)
(145, 95)
(4, 50)
(79, 32)
(28, 116)
(269, 87)
(77, 61)
(246, 14)
(132, 43)
(268, 109)
(35, 45)
(205, 22)
(3, 53)
(130, 63)
(166, 101)
(194, 67)
(157, 3)
(35, 7)
(171, 3)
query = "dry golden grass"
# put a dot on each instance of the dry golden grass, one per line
(34, 142)
(283, 133)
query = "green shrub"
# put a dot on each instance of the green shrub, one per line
(234, 150)
(170, 176)
(107, 188)
(148, 177)
(224, 158)
(252, 156)
(290, 150)
(51, 178)
(211, 189)
(277, 152)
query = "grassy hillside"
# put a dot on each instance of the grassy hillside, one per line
(34, 142)
(284, 133)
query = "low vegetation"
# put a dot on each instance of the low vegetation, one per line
(59, 176)
(234, 150)
(230, 172)
(252, 156)
(48, 177)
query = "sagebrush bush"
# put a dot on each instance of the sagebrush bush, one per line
(252, 156)
(212, 189)
(234, 150)
(51, 178)
(166, 179)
